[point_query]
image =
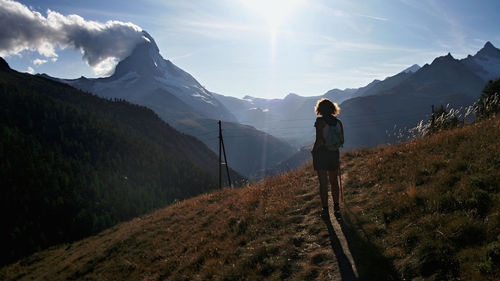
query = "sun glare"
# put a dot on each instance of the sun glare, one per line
(275, 12)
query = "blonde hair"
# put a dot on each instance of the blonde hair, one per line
(326, 107)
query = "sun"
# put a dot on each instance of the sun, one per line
(276, 12)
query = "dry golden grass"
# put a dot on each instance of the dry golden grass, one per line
(427, 210)
(432, 205)
(271, 230)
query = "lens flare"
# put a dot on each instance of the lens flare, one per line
(276, 12)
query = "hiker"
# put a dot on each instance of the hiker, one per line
(325, 152)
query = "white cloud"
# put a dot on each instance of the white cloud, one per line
(30, 70)
(106, 66)
(372, 17)
(39, 61)
(22, 28)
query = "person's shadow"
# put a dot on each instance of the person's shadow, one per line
(357, 258)
(347, 269)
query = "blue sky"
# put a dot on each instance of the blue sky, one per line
(273, 47)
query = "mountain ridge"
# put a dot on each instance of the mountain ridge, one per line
(485, 63)
(445, 80)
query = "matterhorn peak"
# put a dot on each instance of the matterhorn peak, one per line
(150, 40)
(144, 59)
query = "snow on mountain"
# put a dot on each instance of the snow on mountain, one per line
(485, 63)
(146, 78)
(145, 73)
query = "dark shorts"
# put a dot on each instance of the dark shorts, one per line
(324, 159)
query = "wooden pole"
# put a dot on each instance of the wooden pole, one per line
(221, 146)
(220, 160)
(225, 161)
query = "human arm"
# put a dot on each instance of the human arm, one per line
(320, 141)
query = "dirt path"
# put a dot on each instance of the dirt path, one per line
(340, 246)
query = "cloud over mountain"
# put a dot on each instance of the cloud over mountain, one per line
(102, 44)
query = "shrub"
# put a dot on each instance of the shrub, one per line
(491, 263)
(466, 232)
(489, 101)
(437, 258)
(443, 119)
(480, 201)
(447, 202)
(493, 254)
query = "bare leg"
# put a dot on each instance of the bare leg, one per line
(323, 188)
(334, 184)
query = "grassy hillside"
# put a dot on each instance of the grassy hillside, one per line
(423, 210)
(73, 164)
(432, 205)
(267, 231)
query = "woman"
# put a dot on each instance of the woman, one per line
(326, 159)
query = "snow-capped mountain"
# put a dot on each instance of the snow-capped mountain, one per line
(146, 78)
(485, 63)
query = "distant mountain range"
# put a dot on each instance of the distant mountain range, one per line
(371, 112)
(262, 133)
(446, 81)
(291, 118)
(146, 78)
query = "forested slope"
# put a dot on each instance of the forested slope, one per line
(73, 164)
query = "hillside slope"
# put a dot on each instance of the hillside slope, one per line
(426, 209)
(432, 205)
(267, 231)
(73, 164)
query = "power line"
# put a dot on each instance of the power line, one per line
(356, 124)
(187, 128)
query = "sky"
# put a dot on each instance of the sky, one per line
(261, 48)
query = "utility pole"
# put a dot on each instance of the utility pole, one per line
(220, 160)
(221, 146)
